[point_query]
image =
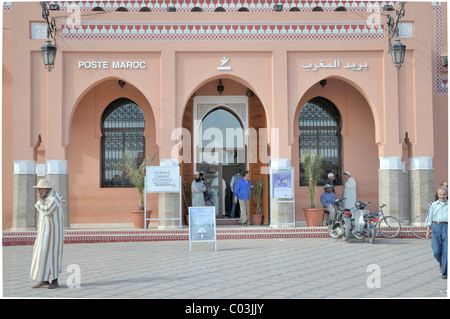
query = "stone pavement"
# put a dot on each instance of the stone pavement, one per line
(245, 268)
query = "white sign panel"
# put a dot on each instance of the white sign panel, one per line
(202, 225)
(162, 179)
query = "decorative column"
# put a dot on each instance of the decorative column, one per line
(59, 179)
(421, 181)
(393, 187)
(169, 205)
(24, 195)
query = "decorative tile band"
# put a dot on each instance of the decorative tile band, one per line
(227, 5)
(224, 31)
(80, 237)
(441, 81)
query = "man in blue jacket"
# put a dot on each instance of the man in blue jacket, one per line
(242, 193)
(327, 199)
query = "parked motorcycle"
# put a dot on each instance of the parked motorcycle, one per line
(336, 228)
(360, 223)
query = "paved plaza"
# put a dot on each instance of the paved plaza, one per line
(288, 268)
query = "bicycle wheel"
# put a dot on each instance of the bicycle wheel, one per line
(418, 226)
(389, 227)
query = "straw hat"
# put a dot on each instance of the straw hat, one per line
(43, 183)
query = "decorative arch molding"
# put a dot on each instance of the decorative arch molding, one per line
(316, 90)
(133, 93)
(236, 106)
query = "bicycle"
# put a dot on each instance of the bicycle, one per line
(388, 226)
(419, 224)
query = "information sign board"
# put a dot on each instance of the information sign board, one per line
(162, 179)
(202, 225)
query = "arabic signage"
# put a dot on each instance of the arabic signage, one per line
(336, 65)
(162, 179)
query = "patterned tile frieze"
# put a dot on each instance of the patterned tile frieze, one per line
(441, 81)
(222, 31)
(227, 5)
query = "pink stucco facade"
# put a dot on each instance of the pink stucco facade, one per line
(394, 122)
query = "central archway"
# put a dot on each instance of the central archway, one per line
(237, 109)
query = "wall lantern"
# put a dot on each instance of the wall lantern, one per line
(48, 51)
(220, 87)
(278, 7)
(397, 49)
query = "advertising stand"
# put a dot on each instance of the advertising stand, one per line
(162, 179)
(202, 225)
(282, 192)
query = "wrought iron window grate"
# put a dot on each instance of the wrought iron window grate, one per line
(123, 125)
(320, 131)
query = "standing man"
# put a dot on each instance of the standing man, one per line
(437, 229)
(234, 180)
(48, 247)
(197, 189)
(349, 191)
(243, 192)
(327, 199)
(330, 181)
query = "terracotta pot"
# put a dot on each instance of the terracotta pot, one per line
(256, 219)
(313, 216)
(138, 218)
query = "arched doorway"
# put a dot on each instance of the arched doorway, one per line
(246, 114)
(107, 120)
(221, 152)
(338, 122)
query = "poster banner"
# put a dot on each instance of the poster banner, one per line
(202, 224)
(162, 179)
(282, 183)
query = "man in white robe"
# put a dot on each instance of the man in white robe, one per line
(198, 187)
(349, 191)
(48, 247)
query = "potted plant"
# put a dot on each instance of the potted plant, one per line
(136, 175)
(256, 218)
(312, 163)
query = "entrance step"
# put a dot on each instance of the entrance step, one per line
(227, 221)
(11, 238)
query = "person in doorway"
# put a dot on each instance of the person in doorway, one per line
(330, 181)
(327, 199)
(197, 189)
(437, 229)
(349, 191)
(48, 248)
(234, 180)
(243, 193)
(215, 193)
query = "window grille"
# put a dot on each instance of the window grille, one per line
(123, 127)
(320, 131)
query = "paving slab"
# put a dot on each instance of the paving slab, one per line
(288, 268)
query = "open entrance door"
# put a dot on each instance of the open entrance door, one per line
(218, 177)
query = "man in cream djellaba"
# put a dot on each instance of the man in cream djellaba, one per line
(48, 247)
